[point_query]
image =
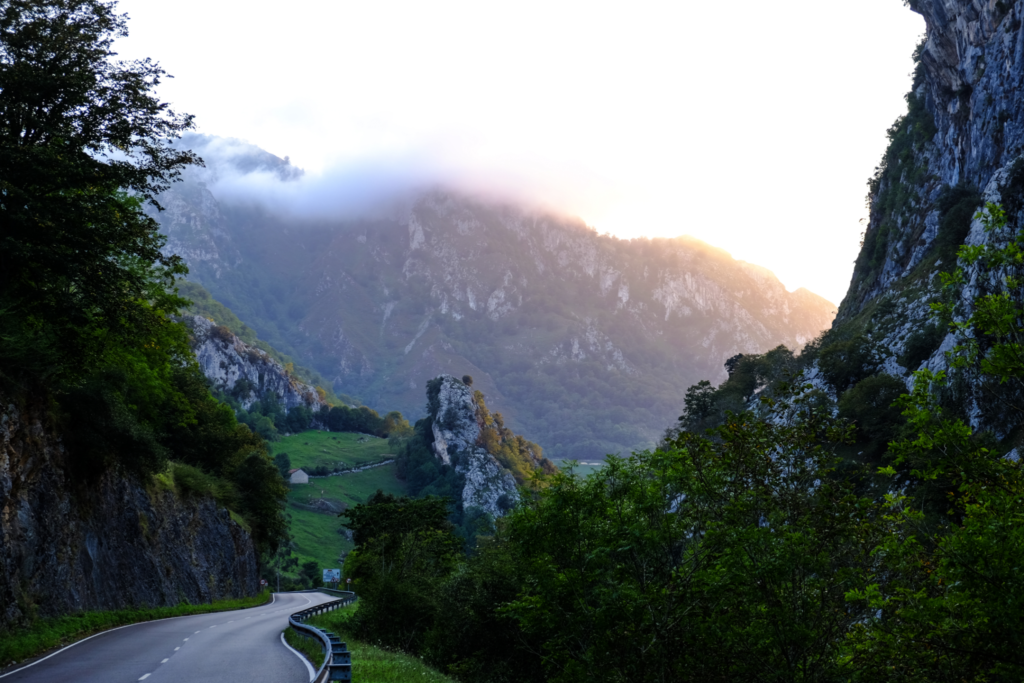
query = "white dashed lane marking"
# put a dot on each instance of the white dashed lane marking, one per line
(166, 660)
(144, 677)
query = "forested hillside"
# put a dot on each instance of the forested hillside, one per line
(123, 481)
(584, 342)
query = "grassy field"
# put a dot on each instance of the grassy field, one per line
(315, 448)
(370, 664)
(46, 634)
(315, 534)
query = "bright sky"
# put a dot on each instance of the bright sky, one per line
(751, 125)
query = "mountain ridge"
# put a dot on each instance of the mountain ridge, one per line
(584, 341)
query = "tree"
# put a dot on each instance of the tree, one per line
(83, 144)
(386, 516)
(299, 418)
(263, 497)
(404, 548)
(699, 401)
(396, 426)
(310, 573)
(283, 463)
(723, 557)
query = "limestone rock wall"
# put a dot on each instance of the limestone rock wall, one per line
(68, 545)
(226, 360)
(971, 84)
(489, 486)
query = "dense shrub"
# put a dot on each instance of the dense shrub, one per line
(921, 344)
(870, 405)
(844, 363)
(956, 206)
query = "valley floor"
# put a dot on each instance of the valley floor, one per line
(315, 532)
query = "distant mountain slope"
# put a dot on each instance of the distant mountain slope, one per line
(205, 306)
(586, 343)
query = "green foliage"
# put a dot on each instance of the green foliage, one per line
(80, 265)
(420, 469)
(189, 482)
(845, 363)
(403, 547)
(956, 206)
(385, 516)
(283, 464)
(948, 605)
(370, 663)
(921, 344)
(725, 557)
(707, 407)
(994, 336)
(86, 296)
(425, 475)
(298, 420)
(367, 421)
(263, 493)
(310, 573)
(520, 457)
(868, 405)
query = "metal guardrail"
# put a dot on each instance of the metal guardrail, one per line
(337, 664)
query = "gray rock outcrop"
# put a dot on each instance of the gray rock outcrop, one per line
(964, 133)
(226, 361)
(68, 545)
(488, 486)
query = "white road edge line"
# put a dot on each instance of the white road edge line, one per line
(273, 597)
(309, 667)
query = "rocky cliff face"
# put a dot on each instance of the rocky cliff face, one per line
(959, 146)
(966, 122)
(586, 343)
(244, 371)
(68, 545)
(456, 429)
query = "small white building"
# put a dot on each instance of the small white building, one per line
(297, 477)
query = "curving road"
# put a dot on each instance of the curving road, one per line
(243, 646)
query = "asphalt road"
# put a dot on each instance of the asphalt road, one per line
(243, 646)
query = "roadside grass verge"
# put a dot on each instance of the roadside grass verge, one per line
(46, 634)
(370, 663)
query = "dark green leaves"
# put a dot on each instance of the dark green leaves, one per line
(79, 130)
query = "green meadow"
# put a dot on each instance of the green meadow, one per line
(315, 534)
(329, 449)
